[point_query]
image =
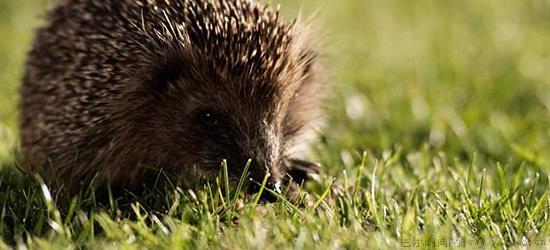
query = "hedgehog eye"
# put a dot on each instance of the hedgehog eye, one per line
(210, 119)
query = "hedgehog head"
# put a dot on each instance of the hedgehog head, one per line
(230, 81)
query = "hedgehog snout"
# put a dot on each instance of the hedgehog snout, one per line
(259, 167)
(264, 160)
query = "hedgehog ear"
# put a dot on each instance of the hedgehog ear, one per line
(165, 77)
(307, 58)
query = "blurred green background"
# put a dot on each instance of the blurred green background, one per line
(458, 77)
(18, 19)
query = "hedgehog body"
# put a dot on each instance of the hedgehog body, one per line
(115, 89)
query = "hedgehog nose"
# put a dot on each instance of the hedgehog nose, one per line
(271, 189)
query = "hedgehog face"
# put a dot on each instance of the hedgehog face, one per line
(227, 116)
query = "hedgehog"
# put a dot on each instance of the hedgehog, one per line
(117, 90)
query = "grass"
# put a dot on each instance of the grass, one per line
(438, 135)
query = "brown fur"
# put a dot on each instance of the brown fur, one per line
(114, 88)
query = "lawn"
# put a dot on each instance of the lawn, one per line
(438, 135)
